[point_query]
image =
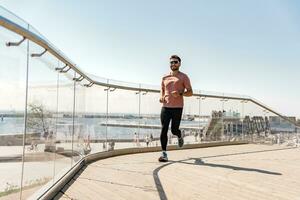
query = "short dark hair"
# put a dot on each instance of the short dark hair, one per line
(175, 57)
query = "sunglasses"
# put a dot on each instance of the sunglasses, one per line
(174, 62)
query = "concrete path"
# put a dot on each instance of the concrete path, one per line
(256, 172)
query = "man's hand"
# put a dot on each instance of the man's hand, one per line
(162, 99)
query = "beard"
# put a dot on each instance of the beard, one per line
(174, 68)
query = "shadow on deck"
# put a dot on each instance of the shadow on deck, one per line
(230, 172)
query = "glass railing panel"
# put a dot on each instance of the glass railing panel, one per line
(95, 119)
(280, 131)
(211, 112)
(191, 124)
(123, 119)
(64, 122)
(263, 126)
(243, 106)
(80, 134)
(248, 111)
(41, 121)
(232, 122)
(12, 113)
(150, 119)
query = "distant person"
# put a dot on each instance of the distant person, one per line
(174, 86)
(136, 139)
(88, 143)
(33, 146)
(151, 139)
(104, 145)
(111, 145)
(147, 140)
(201, 135)
(196, 136)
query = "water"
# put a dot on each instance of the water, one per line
(12, 126)
(91, 126)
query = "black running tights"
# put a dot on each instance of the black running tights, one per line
(166, 115)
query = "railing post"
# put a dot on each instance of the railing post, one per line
(107, 93)
(56, 119)
(139, 111)
(25, 116)
(222, 113)
(73, 116)
(243, 117)
(199, 117)
(199, 98)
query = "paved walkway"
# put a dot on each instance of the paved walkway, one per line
(256, 172)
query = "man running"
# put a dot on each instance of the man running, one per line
(173, 87)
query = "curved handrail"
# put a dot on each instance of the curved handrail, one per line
(10, 25)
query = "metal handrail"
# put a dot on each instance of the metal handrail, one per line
(10, 25)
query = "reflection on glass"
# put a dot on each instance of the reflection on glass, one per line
(150, 119)
(123, 119)
(41, 122)
(81, 139)
(12, 113)
(95, 119)
(64, 124)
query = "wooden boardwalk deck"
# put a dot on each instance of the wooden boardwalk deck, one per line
(252, 172)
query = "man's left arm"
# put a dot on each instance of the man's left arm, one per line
(188, 88)
(188, 92)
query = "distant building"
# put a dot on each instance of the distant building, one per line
(274, 120)
(279, 124)
(277, 119)
(232, 113)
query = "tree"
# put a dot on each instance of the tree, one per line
(39, 119)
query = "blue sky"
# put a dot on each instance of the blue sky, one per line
(245, 47)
